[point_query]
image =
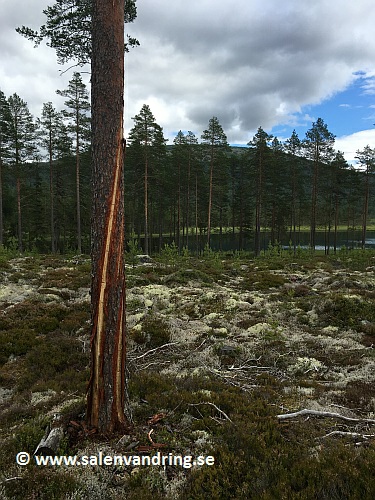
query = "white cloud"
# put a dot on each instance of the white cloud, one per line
(350, 144)
(250, 64)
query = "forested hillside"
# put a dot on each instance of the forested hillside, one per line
(198, 192)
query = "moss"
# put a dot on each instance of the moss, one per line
(183, 276)
(67, 277)
(43, 483)
(154, 332)
(57, 363)
(346, 311)
(262, 280)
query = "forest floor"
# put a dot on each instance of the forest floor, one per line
(219, 350)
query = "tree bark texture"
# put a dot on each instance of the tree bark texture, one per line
(106, 390)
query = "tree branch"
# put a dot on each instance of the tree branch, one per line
(327, 414)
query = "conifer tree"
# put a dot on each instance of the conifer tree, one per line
(339, 166)
(145, 135)
(22, 149)
(366, 159)
(260, 145)
(96, 28)
(79, 124)
(293, 148)
(5, 131)
(215, 140)
(179, 153)
(191, 143)
(319, 148)
(50, 128)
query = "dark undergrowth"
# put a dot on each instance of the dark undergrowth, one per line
(44, 368)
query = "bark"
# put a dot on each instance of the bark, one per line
(78, 197)
(107, 385)
(52, 220)
(365, 208)
(210, 198)
(19, 212)
(1, 204)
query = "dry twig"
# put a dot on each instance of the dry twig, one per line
(327, 414)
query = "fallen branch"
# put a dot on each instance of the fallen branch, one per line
(327, 414)
(216, 408)
(348, 434)
(155, 349)
(50, 442)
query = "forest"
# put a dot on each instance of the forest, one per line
(218, 344)
(198, 193)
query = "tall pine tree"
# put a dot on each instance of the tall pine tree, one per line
(215, 143)
(319, 148)
(22, 149)
(79, 125)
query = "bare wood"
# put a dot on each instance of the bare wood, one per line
(316, 413)
(349, 434)
(155, 349)
(50, 442)
(216, 408)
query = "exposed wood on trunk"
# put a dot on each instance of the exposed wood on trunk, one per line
(106, 391)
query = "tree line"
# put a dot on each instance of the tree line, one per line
(183, 193)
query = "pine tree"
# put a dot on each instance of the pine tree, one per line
(5, 132)
(319, 148)
(97, 28)
(68, 29)
(144, 136)
(293, 148)
(260, 145)
(366, 159)
(215, 140)
(191, 144)
(180, 158)
(22, 149)
(339, 166)
(79, 125)
(50, 127)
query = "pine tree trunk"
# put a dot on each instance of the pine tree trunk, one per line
(52, 221)
(1, 204)
(210, 199)
(78, 196)
(19, 213)
(365, 208)
(107, 385)
(146, 250)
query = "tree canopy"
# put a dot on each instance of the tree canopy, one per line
(68, 29)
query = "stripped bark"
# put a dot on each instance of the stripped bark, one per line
(106, 390)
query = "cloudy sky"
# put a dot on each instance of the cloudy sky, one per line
(251, 63)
